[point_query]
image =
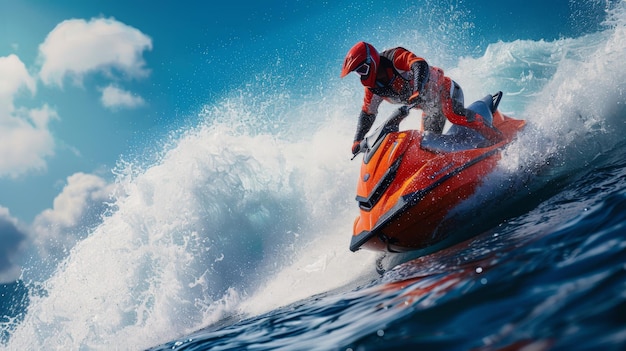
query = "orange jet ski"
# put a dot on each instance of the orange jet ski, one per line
(410, 180)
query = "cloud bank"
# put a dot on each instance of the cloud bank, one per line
(78, 206)
(56, 230)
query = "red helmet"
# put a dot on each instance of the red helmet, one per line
(363, 59)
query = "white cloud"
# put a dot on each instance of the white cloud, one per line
(77, 47)
(25, 140)
(11, 240)
(79, 205)
(114, 97)
(13, 78)
(54, 232)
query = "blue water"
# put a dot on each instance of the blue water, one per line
(232, 232)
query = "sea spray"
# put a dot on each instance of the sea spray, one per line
(570, 92)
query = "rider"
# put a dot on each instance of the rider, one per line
(400, 77)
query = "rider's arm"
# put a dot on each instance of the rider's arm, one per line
(368, 114)
(420, 75)
(405, 60)
(363, 126)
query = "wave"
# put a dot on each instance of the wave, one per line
(571, 91)
(201, 228)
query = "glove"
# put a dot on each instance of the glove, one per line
(415, 98)
(356, 147)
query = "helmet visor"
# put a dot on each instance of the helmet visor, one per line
(363, 69)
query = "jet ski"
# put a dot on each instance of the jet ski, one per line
(410, 180)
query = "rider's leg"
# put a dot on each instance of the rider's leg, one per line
(433, 122)
(433, 118)
(453, 108)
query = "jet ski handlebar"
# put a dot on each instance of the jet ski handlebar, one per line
(390, 125)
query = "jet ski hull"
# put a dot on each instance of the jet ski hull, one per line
(407, 188)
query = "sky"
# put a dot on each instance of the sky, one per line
(86, 84)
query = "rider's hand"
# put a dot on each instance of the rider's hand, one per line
(415, 98)
(356, 147)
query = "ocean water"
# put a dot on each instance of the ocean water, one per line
(233, 231)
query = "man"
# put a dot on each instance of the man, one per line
(400, 77)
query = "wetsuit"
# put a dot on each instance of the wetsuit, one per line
(399, 76)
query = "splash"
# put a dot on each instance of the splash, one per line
(570, 92)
